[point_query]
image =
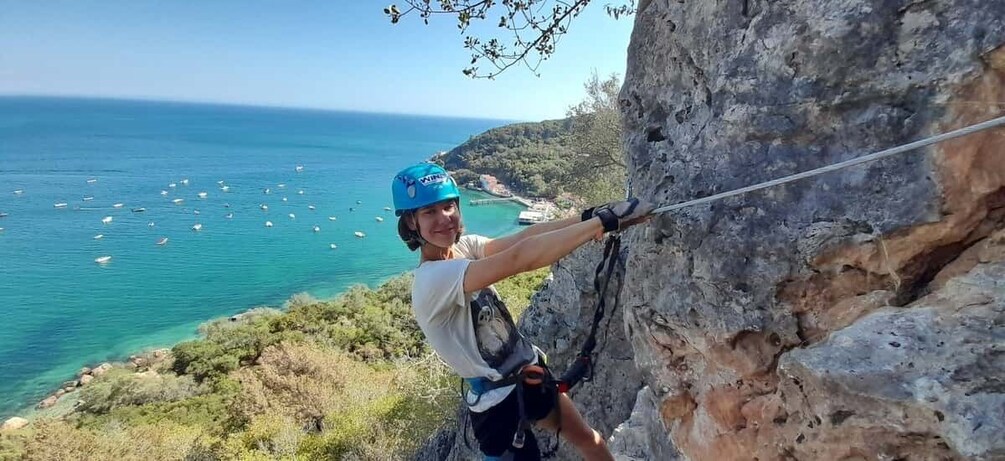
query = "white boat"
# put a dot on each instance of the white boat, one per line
(139, 210)
(229, 216)
(1, 229)
(92, 181)
(332, 218)
(106, 220)
(281, 185)
(317, 229)
(310, 207)
(195, 212)
(299, 168)
(359, 234)
(3, 215)
(268, 223)
(332, 246)
(118, 205)
(293, 216)
(301, 192)
(102, 259)
(172, 185)
(531, 217)
(178, 201)
(226, 205)
(99, 236)
(379, 219)
(59, 205)
(267, 191)
(164, 192)
(225, 188)
(220, 182)
(88, 198)
(202, 194)
(19, 192)
(387, 208)
(184, 182)
(264, 207)
(359, 202)
(197, 227)
(162, 241)
(150, 224)
(284, 199)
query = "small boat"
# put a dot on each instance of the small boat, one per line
(172, 185)
(332, 246)
(19, 192)
(299, 168)
(197, 227)
(226, 205)
(311, 207)
(225, 188)
(284, 199)
(162, 241)
(317, 229)
(106, 220)
(92, 181)
(59, 205)
(359, 234)
(300, 192)
(387, 208)
(195, 212)
(99, 236)
(1, 229)
(379, 219)
(139, 210)
(220, 182)
(293, 216)
(102, 259)
(202, 194)
(178, 201)
(118, 205)
(150, 224)
(351, 209)
(268, 223)
(229, 216)
(359, 202)
(332, 218)
(281, 185)
(264, 207)
(3, 215)
(88, 198)
(164, 192)
(267, 191)
(184, 182)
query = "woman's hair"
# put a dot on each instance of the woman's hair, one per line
(412, 238)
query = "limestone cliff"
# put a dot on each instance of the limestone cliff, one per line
(857, 315)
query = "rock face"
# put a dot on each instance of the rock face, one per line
(764, 324)
(13, 424)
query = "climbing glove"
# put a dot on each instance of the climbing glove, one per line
(619, 215)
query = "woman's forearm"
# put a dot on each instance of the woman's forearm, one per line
(544, 249)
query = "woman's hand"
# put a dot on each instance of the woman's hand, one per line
(620, 215)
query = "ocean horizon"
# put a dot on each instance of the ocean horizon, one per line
(180, 195)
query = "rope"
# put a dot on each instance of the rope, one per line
(841, 165)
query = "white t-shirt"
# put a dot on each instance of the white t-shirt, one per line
(473, 333)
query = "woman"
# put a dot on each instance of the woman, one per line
(468, 325)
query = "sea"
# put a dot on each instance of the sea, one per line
(277, 196)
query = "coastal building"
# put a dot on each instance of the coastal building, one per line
(492, 185)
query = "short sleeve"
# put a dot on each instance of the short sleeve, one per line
(473, 245)
(438, 289)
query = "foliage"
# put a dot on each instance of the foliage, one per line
(348, 378)
(531, 158)
(597, 170)
(516, 291)
(534, 26)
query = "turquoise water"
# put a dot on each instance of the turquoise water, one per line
(59, 309)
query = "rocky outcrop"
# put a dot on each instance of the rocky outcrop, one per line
(764, 323)
(13, 424)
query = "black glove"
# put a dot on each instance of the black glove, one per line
(615, 214)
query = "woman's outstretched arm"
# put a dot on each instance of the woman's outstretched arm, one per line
(498, 245)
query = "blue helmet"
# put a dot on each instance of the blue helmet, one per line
(422, 185)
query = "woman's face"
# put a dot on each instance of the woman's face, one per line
(440, 223)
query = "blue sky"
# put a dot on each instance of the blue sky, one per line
(334, 54)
